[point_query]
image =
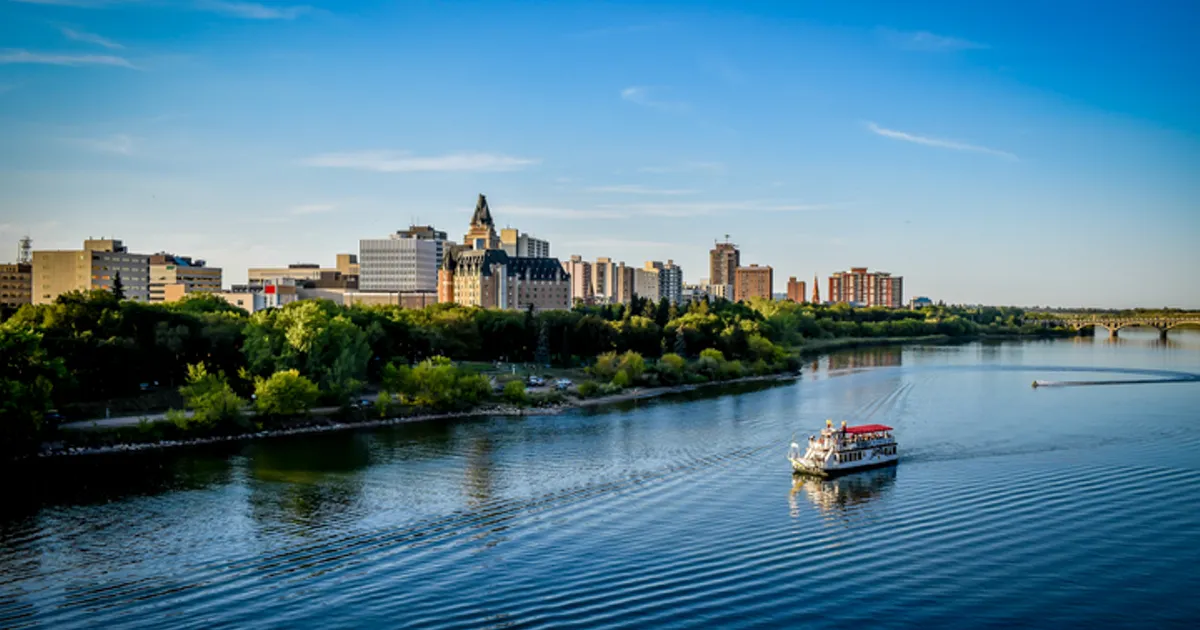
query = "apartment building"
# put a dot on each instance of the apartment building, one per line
(580, 272)
(797, 290)
(753, 281)
(16, 284)
(859, 287)
(516, 243)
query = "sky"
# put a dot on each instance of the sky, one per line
(1019, 153)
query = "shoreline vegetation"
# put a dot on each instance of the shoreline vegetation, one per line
(220, 374)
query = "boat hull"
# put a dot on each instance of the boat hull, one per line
(801, 469)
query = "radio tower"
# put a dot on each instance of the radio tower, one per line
(25, 250)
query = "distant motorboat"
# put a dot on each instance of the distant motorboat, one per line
(845, 449)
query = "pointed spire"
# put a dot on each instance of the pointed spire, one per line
(816, 290)
(483, 215)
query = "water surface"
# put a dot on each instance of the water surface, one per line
(1012, 506)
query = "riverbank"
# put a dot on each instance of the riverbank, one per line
(324, 424)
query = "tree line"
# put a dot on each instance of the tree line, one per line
(91, 346)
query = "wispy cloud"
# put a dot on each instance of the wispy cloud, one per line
(698, 208)
(643, 95)
(405, 162)
(90, 38)
(117, 144)
(253, 10)
(685, 167)
(936, 142)
(634, 189)
(24, 56)
(312, 208)
(619, 243)
(553, 212)
(926, 41)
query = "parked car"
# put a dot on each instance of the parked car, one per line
(536, 381)
(562, 383)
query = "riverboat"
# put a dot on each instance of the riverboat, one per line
(845, 449)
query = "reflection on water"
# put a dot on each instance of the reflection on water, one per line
(840, 495)
(867, 357)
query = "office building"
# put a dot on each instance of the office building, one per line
(96, 266)
(796, 290)
(344, 276)
(516, 243)
(397, 263)
(723, 261)
(752, 282)
(427, 233)
(172, 277)
(858, 287)
(16, 284)
(580, 272)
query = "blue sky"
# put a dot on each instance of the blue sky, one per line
(1000, 152)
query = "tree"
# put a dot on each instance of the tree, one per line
(542, 355)
(514, 392)
(118, 288)
(680, 342)
(285, 393)
(27, 378)
(211, 399)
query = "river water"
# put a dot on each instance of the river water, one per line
(1012, 506)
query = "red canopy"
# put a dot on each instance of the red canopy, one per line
(868, 428)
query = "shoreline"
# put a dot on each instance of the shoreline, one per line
(817, 347)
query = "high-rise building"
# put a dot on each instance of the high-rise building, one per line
(172, 277)
(427, 233)
(517, 243)
(96, 266)
(580, 271)
(657, 280)
(397, 263)
(858, 287)
(723, 261)
(753, 281)
(482, 233)
(16, 284)
(612, 282)
(645, 282)
(796, 290)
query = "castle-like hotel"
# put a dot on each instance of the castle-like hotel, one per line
(481, 273)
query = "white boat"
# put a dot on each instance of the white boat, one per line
(844, 449)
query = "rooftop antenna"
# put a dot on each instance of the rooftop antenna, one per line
(25, 250)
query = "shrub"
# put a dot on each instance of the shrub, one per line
(587, 389)
(383, 405)
(285, 393)
(211, 400)
(621, 380)
(514, 392)
(606, 366)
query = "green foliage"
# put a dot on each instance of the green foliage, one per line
(284, 394)
(588, 389)
(28, 375)
(384, 405)
(211, 399)
(118, 287)
(514, 393)
(436, 383)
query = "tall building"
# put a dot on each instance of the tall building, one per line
(516, 243)
(492, 279)
(670, 282)
(482, 233)
(580, 271)
(816, 298)
(16, 284)
(861, 288)
(96, 266)
(753, 281)
(624, 284)
(796, 290)
(172, 277)
(397, 263)
(612, 283)
(723, 261)
(645, 283)
(427, 233)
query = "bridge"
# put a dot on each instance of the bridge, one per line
(1114, 323)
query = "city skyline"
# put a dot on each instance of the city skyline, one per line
(972, 152)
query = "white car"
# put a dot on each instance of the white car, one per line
(563, 383)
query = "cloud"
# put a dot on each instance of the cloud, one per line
(936, 142)
(90, 38)
(312, 208)
(685, 167)
(930, 42)
(641, 95)
(404, 162)
(550, 212)
(699, 208)
(634, 189)
(619, 243)
(253, 10)
(118, 144)
(24, 56)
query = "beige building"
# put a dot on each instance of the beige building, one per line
(491, 279)
(191, 276)
(16, 284)
(96, 266)
(344, 276)
(416, 299)
(723, 261)
(580, 271)
(256, 298)
(645, 282)
(612, 282)
(515, 243)
(858, 287)
(482, 233)
(753, 281)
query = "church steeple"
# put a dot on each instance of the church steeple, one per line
(816, 290)
(482, 233)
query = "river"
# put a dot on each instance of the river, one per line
(1011, 506)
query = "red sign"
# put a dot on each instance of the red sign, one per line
(269, 289)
